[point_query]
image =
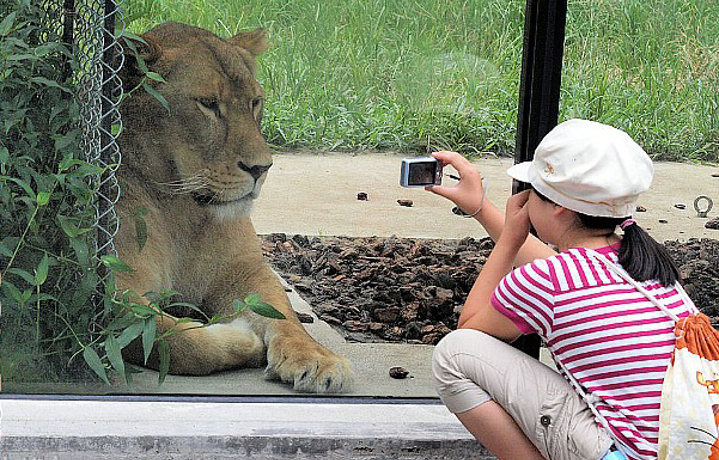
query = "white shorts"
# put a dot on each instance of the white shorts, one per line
(471, 368)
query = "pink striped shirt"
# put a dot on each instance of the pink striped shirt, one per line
(613, 340)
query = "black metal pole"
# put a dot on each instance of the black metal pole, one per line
(68, 34)
(538, 111)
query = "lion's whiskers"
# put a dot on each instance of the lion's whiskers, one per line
(187, 185)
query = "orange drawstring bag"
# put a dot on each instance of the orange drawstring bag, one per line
(689, 416)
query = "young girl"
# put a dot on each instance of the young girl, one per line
(615, 344)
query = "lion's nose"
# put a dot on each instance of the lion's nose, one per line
(255, 171)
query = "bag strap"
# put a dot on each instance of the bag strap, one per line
(590, 398)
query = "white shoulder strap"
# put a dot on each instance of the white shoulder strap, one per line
(592, 400)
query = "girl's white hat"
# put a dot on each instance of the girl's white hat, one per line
(590, 168)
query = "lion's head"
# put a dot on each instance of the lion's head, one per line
(207, 146)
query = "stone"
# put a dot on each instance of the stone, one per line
(712, 224)
(410, 311)
(398, 372)
(305, 318)
(330, 320)
(406, 203)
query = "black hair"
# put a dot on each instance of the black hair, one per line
(639, 254)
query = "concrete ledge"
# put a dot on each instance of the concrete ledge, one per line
(41, 429)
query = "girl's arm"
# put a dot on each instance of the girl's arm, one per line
(478, 312)
(467, 194)
(492, 219)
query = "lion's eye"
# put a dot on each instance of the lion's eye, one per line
(209, 105)
(257, 105)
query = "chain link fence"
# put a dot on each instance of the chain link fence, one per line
(92, 28)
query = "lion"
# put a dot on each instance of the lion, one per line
(194, 170)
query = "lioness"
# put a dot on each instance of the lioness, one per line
(197, 170)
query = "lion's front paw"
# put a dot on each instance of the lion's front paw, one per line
(308, 366)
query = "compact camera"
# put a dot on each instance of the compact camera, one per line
(420, 172)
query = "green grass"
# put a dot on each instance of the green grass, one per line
(418, 75)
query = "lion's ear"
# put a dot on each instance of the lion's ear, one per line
(254, 41)
(140, 54)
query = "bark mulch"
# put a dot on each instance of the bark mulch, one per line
(406, 290)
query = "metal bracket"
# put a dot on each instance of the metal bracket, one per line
(703, 212)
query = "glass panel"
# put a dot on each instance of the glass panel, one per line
(373, 271)
(358, 77)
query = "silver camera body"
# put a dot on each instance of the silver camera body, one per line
(420, 172)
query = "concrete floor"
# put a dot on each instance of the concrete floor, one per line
(142, 430)
(316, 194)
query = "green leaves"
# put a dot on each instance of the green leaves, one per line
(163, 349)
(41, 271)
(130, 333)
(69, 226)
(113, 350)
(149, 330)
(7, 23)
(43, 198)
(153, 92)
(155, 76)
(267, 310)
(149, 75)
(114, 263)
(254, 303)
(93, 360)
(50, 83)
(46, 212)
(140, 226)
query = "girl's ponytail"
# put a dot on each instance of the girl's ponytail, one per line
(645, 259)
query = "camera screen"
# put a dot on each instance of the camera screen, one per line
(422, 173)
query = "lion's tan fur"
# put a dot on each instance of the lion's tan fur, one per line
(196, 171)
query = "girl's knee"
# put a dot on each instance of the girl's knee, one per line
(451, 353)
(455, 372)
(444, 359)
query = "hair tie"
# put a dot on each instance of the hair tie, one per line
(627, 223)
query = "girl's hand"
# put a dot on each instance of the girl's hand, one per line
(516, 220)
(467, 194)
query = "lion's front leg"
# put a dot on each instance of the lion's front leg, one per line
(293, 356)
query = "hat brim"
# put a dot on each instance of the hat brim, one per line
(527, 172)
(523, 172)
